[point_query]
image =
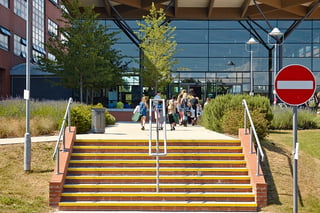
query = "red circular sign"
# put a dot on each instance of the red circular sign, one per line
(295, 84)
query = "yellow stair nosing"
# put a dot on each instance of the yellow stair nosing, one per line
(138, 169)
(163, 186)
(168, 154)
(161, 147)
(146, 203)
(157, 194)
(208, 177)
(162, 161)
(161, 140)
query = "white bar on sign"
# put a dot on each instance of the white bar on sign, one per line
(295, 84)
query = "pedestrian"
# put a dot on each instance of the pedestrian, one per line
(158, 110)
(206, 102)
(172, 112)
(179, 107)
(185, 109)
(143, 106)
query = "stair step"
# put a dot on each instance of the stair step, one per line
(161, 140)
(161, 196)
(161, 147)
(166, 163)
(164, 179)
(143, 187)
(170, 149)
(193, 206)
(161, 177)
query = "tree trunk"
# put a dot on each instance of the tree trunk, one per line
(81, 90)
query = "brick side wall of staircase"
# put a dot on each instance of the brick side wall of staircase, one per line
(258, 182)
(57, 180)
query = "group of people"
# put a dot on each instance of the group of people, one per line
(183, 109)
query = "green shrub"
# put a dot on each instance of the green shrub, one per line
(81, 116)
(225, 112)
(283, 118)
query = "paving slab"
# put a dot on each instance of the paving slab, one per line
(132, 130)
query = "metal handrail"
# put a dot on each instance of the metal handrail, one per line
(62, 134)
(164, 153)
(260, 153)
(157, 153)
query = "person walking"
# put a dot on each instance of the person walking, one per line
(143, 106)
(179, 107)
(172, 112)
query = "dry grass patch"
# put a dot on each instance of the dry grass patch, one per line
(16, 127)
(279, 174)
(23, 192)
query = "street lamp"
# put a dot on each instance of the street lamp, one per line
(276, 34)
(250, 42)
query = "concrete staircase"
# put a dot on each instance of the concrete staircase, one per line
(196, 175)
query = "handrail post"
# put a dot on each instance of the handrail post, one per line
(245, 119)
(251, 141)
(64, 140)
(58, 161)
(69, 116)
(258, 163)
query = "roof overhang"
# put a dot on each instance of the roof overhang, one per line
(210, 9)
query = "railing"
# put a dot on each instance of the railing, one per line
(252, 130)
(62, 134)
(153, 104)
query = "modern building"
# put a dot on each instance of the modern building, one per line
(212, 37)
(13, 16)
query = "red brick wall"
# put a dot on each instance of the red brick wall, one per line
(258, 182)
(57, 180)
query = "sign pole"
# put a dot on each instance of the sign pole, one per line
(294, 85)
(295, 160)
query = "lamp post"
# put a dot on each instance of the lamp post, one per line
(276, 34)
(27, 143)
(251, 42)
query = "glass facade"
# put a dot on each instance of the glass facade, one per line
(38, 28)
(20, 8)
(212, 55)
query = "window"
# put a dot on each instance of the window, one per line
(54, 2)
(52, 28)
(38, 25)
(5, 3)
(19, 46)
(20, 8)
(4, 38)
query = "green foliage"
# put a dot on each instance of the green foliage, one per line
(119, 105)
(82, 117)
(158, 48)
(307, 119)
(84, 57)
(225, 113)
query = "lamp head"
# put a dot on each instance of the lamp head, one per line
(252, 41)
(275, 32)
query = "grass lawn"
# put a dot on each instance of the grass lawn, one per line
(29, 192)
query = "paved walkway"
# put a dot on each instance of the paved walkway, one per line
(131, 130)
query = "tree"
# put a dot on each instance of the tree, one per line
(158, 47)
(84, 57)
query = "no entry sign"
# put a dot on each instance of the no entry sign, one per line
(295, 84)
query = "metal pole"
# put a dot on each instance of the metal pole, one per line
(27, 144)
(295, 160)
(274, 74)
(251, 73)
